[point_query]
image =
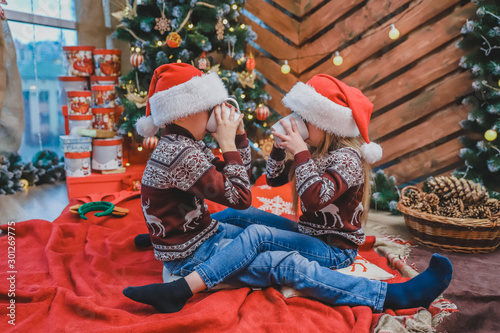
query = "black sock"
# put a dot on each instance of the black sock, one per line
(423, 289)
(164, 297)
(142, 240)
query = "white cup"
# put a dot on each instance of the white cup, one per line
(277, 127)
(225, 111)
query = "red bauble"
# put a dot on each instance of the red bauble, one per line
(262, 112)
(150, 142)
(136, 59)
(174, 40)
(250, 65)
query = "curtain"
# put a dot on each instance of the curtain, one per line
(11, 98)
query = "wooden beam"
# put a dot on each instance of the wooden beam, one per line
(419, 43)
(426, 71)
(307, 5)
(275, 102)
(345, 30)
(437, 128)
(373, 41)
(276, 46)
(424, 162)
(272, 71)
(433, 98)
(322, 18)
(274, 18)
(293, 6)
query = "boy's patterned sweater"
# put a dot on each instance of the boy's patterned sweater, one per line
(330, 190)
(180, 174)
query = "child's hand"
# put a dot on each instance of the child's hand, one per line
(291, 141)
(226, 128)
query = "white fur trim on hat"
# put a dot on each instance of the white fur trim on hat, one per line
(371, 152)
(320, 111)
(198, 94)
(146, 127)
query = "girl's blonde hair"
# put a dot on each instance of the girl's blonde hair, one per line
(330, 141)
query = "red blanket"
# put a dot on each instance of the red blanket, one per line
(68, 276)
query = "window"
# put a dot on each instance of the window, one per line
(40, 28)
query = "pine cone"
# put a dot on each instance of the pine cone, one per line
(453, 207)
(477, 212)
(493, 205)
(452, 187)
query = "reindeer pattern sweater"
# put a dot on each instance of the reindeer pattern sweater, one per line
(180, 174)
(330, 189)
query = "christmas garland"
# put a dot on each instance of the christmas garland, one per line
(481, 41)
(16, 176)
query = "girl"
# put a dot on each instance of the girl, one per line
(331, 188)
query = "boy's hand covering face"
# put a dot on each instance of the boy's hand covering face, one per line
(226, 126)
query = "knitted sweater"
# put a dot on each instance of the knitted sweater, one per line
(180, 174)
(330, 190)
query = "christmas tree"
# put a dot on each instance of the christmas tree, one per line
(482, 145)
(208, 35)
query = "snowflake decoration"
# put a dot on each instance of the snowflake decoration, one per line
(276, 205)
(265, 187)
(162, 24)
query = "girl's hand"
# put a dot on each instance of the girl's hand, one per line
(291, 141)
(226, 128)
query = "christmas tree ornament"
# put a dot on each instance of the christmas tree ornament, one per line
(203, 62)
(393, 33)
(262, 112)
(266, 145)
(139, 99)
(490, 135)
(219, 27)
(285, 68)
(162, 23)
(136, 59)
(250, 64)
(337, 59)
(247, 79)
(2, 14)
(174, 40)
(24, 184)
(150, 142)
(128, 11)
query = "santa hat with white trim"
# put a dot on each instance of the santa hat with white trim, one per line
(336, 108)
(178, 90)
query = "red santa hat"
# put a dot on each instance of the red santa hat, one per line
(334, 107)
(178, 90)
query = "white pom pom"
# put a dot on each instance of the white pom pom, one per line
(146, 127)
(371, 152)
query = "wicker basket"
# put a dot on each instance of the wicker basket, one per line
(451, 234)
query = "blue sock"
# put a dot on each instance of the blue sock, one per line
(142, 240)
(423, 289)
(164, 297)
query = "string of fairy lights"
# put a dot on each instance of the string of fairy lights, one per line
(337, 58)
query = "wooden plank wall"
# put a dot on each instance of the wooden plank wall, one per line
(414, 82)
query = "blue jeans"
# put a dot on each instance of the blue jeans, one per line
(261, 256)
(252, 215)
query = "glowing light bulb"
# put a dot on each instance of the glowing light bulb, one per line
(243, 96)
(129, 134)
(224, 21)
(490, 135)
(242, 26)
(139, 148)
(256, 145)
(127, 164)
(394, 33)
(271, 136)
(138, 49)
(337, 59)
(159, 43)
(231, 29)
(132, 48)
(250, 116)
(124, 118)
(285, 69)
(235, 7)
(190, 25)
(179, 60)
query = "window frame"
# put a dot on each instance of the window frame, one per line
(13, 15)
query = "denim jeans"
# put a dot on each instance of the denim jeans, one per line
(262, 256)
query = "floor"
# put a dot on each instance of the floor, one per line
(476, 295)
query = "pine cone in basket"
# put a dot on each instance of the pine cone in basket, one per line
(452, 187)
(493, 205)
(477, 212)
(453, 207)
